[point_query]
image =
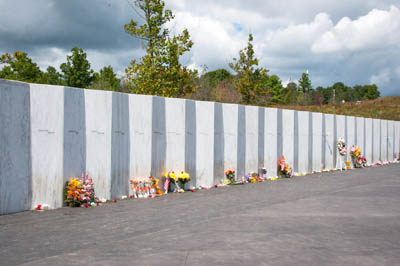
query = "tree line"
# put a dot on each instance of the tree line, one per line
(159, 71)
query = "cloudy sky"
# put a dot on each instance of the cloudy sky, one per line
(353, 41)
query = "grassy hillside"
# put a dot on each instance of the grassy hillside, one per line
(382, 108)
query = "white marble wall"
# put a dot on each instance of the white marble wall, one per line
(317, 141)
(330, 142)
(384, 140)
(120, 145)
(204, 143)
(15, 147)
(175, 129)
(351, 135)
(140, 114)
(340, 133)
(304, 147)
(360, 134)
(288, 136)
(368, 150)
(390, 141)
(74, 154)
(51, 133)
(376, 151)
(251, 139)
(230, 130)
(98, 112)
(47, 136)
(271, 141)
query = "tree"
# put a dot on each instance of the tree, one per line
(51, 76)
(372, 92)
(305, 83)
(366, 92)
(159, 72)
(106, 79)
(20, 67)
(290, 93)
(249, 79)
(276, 89)
(77, 71)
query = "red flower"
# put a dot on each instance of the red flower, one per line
(131, 196)
(39, 207)
(193, 190)
(97, 204)
(115, 200)
(215, 185)
(85, 205)
(150, 196)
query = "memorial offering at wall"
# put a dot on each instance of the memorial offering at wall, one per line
(183, 178)
(342, 151)
(80, 192)
(230, 175)
(145, 187)
(170, 184)
(284, 168)
(341, 145)
(358, 160)
(252, 178)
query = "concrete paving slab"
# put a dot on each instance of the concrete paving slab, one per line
(337, 218)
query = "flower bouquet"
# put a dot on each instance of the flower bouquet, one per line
(230, 175)
(361, 162)
(341, 145)
(183, 178)
(154, 185)
(252, 178)
(358, 160)
(284, 168)
(80, 191)
(170, 178)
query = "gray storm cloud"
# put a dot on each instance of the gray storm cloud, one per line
(354, 41)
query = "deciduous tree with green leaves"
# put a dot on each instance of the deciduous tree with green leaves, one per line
(77, 71)
(106, 79)
(250, 80)
(159, 71)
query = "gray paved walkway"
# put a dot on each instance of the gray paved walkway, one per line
(351, 218)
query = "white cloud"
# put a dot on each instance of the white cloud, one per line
(297, 38)
(376, 29)
(215, 42)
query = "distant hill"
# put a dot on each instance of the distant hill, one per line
(382, 108)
